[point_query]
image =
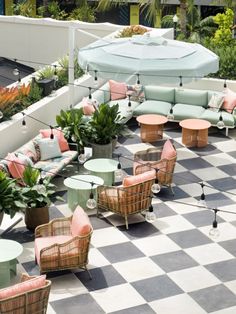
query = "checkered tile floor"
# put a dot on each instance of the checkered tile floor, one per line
(170, 266)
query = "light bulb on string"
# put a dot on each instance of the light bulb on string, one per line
(95, 79)
(24, 128)
(81, 157)
(156, 186)
(91, 202)
(220, 124)
(180, 83)
(129, 109)
(170, 115)
(214, 231)
(90, 93)
(150, 215)
(202, 201)
(225, 85)
(118, 171)
(138, 80)
(1, 114)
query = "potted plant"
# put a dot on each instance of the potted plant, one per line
(11, 199)
(37, 194)
(102, 129)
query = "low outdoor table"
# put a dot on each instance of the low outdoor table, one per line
(79, 189)
(104, 168)
(152, 126)
(9, 251)
(195, 132)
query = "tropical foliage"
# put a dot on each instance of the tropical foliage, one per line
(132, 30)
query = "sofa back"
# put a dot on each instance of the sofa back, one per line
(191, 97)
(160, 93)
(102, 95)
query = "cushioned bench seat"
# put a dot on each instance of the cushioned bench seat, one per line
(152, 107)
(183, 111)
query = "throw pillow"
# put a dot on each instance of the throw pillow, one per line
(117, 90)
(168, 150)
(80, 224)
(49, 148)
(29, 150)
(216, 102)
(15, 166)
(59, 134)
(229, 101)
(132, 180)
(22, 287)
(135, 92)
(26, 160)
(89, 106)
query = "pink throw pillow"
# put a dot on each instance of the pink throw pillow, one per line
(117, 90)
(132, 180)
(80, 224)
(168, 151)
(61, 138)
(22, 287)
(15, 166)
(88, 108)
(229, 101)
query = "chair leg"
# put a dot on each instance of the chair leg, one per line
(171, 189)
(126, 222)
(90, 276)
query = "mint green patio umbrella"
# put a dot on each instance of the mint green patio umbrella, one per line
(152, 60)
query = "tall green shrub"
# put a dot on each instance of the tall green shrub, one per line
(223, 35)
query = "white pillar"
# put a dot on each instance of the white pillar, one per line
(71, 73)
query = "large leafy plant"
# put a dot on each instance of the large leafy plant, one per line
(37, 192)
(11, 199)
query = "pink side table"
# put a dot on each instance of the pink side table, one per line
(152, 126)
(195, 132)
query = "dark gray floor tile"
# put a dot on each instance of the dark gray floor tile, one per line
(166, 195)
(82, 304)
(164, 211)
(214, 298)
(156, 288)
(102, 277)
(223, 184)
(21, 235)
(120, 252)
(99, 222)
(189, 238)
(229, 246)
(205, 151)
(217, 200)
(194, 163)
(174, 261)
(185, 177)
(139, 230)
(229, 169)
(201, 218)
(141, 309)
(224, 270)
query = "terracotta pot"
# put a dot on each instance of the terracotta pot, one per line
(36, 216)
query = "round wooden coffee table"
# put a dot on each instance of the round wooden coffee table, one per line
(152, 126)
(195, 132)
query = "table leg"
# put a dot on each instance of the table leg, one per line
(151, 133)
(189, 137)
(108, 177)
(202, 138)
(5, 274)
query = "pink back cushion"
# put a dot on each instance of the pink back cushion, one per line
(59, 134)
(15, 166)
(88, 108)
(80, 224)
(117, 90)
(22, 287)
(229, 101)
(131, 180)
(168, 151)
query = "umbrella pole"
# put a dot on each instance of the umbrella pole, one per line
(71, 65)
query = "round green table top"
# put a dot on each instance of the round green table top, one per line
(101, 165)
(82, 182)
(9, 250)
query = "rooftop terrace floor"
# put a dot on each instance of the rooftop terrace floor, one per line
(170, 266)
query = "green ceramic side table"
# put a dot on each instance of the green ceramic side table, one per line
(9, 251)
(79, 188)
(104, 168)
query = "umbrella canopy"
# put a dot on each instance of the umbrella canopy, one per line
(155, 59)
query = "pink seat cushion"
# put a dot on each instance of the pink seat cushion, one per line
(61, 138)
(41, 243)
(80, 225)
(88, 109)
(229, 101)
(168, 151)
(132, 180)
(118, 90)
(22, 287)
(15, 166)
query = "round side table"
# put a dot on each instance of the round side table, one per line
(195, 132)
(10, 250)
(79, 189)
(152, 126)
(102, 167)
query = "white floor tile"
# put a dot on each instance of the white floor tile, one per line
(107, 236)
(227, 231)
(172, 224)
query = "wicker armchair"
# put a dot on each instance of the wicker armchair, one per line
(125, 201)
(33, 301)
(61, 244)
(152, 158)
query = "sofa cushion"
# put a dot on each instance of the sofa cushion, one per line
(22, 287)
(191, 97)
(49, 148)
(29, 150)
(15, 166)
(152, 107)
(139, 178)
(160, 93)
(216, 102)
(123, 108)
(80, 224)
(135, 92)
(229, 101)
(60, 136)
(118, 90)
(183, 111)
(213, 117)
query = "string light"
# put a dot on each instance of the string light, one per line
(23, 124)
(220, 124)
(118, 171)
(51, 135)
(129, 109)
(82, 157)
(214, 231)
(90, 91)
(156, 186)
(91, 202)
(138, 80)
(150, 215)
(170, 115)
(202, 201)
(180, 82)
(225, 84)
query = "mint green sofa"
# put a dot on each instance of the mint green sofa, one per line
(186, 104)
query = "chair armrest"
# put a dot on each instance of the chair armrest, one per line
(59, 226)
